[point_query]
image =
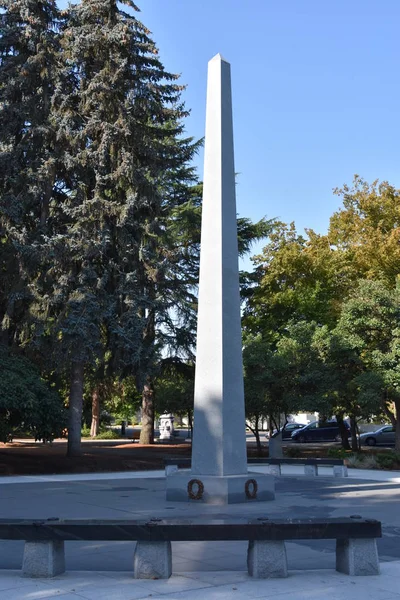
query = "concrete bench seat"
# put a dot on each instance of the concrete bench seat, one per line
(310, 464)
(356, 552)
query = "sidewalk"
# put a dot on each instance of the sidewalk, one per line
(202, 571)
(221, 585)
(370, 474)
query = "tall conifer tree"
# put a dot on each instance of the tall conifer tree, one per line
(118, 116)
(28, 182)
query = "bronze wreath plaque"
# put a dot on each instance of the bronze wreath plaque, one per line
(250, 489)
(195, 495)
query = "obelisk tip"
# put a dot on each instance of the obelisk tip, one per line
(219, 57)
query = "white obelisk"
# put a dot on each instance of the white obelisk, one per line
(219, 439)
(219, 463)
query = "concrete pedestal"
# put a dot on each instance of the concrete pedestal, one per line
(166, 428)
(311, 470)
(152, 560)
(184, 486)
(357, 557)
(267, 559)
(340, 471)
(274, 470)
(43, 559)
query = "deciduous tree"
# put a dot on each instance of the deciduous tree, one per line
(370, 323)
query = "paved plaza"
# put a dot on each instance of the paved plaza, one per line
(209, 570)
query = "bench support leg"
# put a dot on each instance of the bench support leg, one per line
(267, 559)
(311, 470)
(357, 557)
(152, 560)
(274, 470)
(170, 469)
(43, 559)
(340, 471)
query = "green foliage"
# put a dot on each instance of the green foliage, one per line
(120, 399)
(362, 461)
(85, 431)
(293, 452)
(104, 434)
(108, 434)
(29, 70)
(113, 160)
(281, 378)
(344, 286)
(337, 453)
(99, 205)
(367, 230)
(370, 323)
(174, 388)
(388, 460)
(284, 377)
(27, 401)
(370, 318)
(100, 214)
(258, 381)
(297, 278)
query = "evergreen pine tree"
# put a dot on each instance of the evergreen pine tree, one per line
(28, 182)
(118, 118)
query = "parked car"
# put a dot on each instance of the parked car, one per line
(385, 436)
(319, 431)
(289, 429)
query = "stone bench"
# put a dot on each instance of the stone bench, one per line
(310, 464)
(356, 552)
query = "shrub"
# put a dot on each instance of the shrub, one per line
(108, 434)
(337, 453)
(387, 460)
(353, 461)
(85, 431)
(369, 462)
(27, 401)
(293, 452)
(361, 461)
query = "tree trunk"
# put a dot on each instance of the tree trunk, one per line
(258, 441)
(75, 410)
(256, 432)
(354, 438)
(343, 432)
(94, 427)
(147, 431)
(397, 426)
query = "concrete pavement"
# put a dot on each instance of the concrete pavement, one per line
(201, 570)
(223, 585)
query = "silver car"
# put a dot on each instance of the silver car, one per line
(384, 436)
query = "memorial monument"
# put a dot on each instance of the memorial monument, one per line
(219, 472)
(166, 427)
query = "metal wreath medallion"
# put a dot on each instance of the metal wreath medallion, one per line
(251, 488)
(198, 494)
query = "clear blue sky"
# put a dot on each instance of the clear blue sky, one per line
(316, 89)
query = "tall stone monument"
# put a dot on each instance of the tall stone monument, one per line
(219, 464)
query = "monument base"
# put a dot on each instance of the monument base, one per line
(185, 486)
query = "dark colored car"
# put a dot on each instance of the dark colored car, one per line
(289, 429)
(319, 431)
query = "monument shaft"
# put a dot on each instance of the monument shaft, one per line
(219, 441)
(219, 472)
